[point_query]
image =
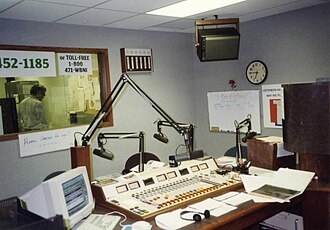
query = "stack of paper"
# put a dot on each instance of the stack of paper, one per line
(280, 186)
(217, 206)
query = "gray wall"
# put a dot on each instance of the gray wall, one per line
(294, 45)
(170, 86)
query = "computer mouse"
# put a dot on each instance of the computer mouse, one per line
(141, 225)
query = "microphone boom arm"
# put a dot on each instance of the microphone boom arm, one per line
(123, 80)
(245, 123)
(123, 135)
(188, 133)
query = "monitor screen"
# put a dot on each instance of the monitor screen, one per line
(75, 193)
(68, 194)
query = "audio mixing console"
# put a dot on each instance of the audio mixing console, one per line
(144, 195)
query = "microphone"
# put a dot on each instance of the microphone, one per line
(248, 135)
(196, 154)
(161, 137)
(190, 156)
(103, 153)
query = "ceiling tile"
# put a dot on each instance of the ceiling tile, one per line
(140, 22)
(189, 30)
(88, 3)
(130, 14)
(160, 29)
(4, 4)
(40, 11)
(95, 17)
(178, 24)
(139, 6)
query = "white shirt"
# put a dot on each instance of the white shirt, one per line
(31, 114)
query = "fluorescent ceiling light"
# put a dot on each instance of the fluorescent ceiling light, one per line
(191, 7)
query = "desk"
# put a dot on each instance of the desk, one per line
(246, 215)
(316, 206)
(249, 214)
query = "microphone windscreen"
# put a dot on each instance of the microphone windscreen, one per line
(103, 154)
(97, 152)
(196, 154)
(249, 135)
(182, 157)
(161, 137)
(189, 156)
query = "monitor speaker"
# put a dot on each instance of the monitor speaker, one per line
(218, 44)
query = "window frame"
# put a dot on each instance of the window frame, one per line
(104, 73)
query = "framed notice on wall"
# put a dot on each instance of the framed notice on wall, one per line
(273, 105)
(226, 107)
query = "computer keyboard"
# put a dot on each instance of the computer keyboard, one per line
(99, 222)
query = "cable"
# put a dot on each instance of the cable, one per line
(75, 139)
(232, 166)
(121, 214)
(176, 151)
(177, 148)
(104, 142)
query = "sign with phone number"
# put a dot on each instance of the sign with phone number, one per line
(27, 64)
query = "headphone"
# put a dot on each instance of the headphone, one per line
(197, 215)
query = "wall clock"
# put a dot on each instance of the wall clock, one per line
(256, 72)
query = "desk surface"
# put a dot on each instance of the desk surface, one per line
(247, 214)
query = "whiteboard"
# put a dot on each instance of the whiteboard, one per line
(228, 106)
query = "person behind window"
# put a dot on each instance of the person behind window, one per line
(30, 111)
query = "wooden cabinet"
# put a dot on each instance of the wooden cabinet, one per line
(316, 206)
(264, 154)
(306, 125)
(306, 131)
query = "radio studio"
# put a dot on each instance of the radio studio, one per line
(172, 114)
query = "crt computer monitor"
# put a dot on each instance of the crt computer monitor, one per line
(68, 194)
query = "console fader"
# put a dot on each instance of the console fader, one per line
(144, 195)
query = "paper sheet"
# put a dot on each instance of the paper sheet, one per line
(225, 196)
(284, 177)
(281, 152)
(172, 220)
(215, 207)
(208, 204)
(253, 182)
(292, 178)
(238, 199)
(226, 161)
(274, 139)
(149, 165)
(223, 209)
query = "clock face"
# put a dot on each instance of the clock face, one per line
(256, 72)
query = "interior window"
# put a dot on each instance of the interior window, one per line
(72, 97)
